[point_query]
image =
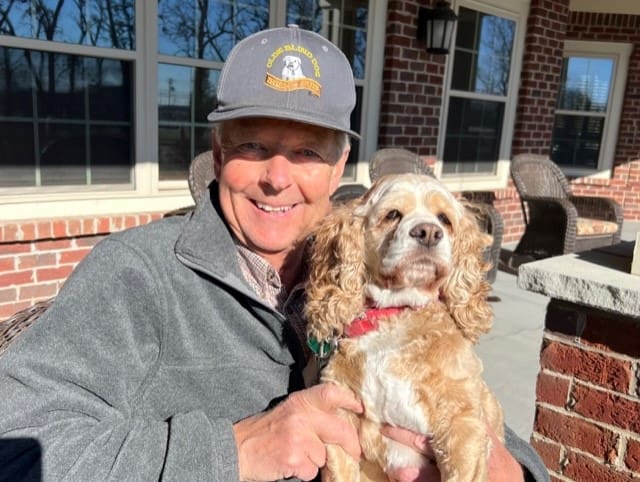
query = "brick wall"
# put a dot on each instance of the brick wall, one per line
(587, 426)
(37, 256)
(412, 91)
(540, 76)
(412, 84)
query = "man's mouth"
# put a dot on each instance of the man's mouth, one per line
(273, 209)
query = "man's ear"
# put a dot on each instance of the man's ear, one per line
(338, 169)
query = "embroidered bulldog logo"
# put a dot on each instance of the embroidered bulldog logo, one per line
(291, 62)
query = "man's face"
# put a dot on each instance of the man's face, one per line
(275, 178)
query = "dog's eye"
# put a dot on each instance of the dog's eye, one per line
(393, 215)
(443, 218)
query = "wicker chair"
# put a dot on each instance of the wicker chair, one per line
(556, 221)
(19, 322)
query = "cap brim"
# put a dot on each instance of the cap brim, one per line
(274, 113)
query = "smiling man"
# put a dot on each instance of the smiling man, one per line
(175, 350)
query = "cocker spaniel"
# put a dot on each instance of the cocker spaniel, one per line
(396, 300)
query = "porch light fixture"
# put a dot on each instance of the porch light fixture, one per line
(435, 27)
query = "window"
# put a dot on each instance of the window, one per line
(113, 95)
(588, 106)
(66, 119)
(481, 95)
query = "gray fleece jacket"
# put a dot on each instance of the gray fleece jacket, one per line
(155, 346)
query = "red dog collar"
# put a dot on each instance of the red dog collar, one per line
(368, 321)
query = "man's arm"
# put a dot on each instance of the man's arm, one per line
(74, 384)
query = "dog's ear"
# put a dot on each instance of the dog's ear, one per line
(466, 289)
(335, 292)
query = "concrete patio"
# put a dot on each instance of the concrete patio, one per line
(511, 350)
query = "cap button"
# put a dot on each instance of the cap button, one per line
(293, 25)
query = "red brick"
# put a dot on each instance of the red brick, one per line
(7, 264)
(45, 230)
(605, 371)
(73, 256)
(59, 227)
(16, 278)
(14, 248)
(8, 295)
(50, 274)
(88, 241)
(632, 456)
(54, 245)
(606, 407)
(549, 452)
(74, 227)
(581, 468)
(8, 310)
(552, 389)
(574, 432)
(39, 291)
(29, 261)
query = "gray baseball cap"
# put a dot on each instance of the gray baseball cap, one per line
(287, 73)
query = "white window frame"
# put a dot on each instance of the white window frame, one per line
(516, 10)
(619, 53)
(148, 193)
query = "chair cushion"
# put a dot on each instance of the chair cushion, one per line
(589, 226)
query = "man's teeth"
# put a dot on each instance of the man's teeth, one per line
(274, 209)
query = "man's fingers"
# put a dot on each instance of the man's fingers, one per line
(328, 397)
(328, 400)
(417, 441)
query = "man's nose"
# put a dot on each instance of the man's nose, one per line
(277, 173)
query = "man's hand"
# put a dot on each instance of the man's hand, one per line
(502, 466)
(289, 440)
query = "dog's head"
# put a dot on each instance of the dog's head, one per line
(407, 242)
(291, 63)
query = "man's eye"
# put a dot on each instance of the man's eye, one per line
(444, 219)
(251, 147)
(393, 215)
(308, 155)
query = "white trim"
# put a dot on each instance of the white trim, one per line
(620, 53)
(16, 209)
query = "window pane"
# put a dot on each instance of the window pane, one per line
(100, 23)
(207, 30)
(17, 159)
(474, 129)
(483, 53)
(585, 84)
(185, 97)
(76, 113)
(342, 22)
(576, 140)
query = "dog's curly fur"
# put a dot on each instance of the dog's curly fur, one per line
(407, 242)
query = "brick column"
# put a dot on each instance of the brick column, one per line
(412, 84)
(540, 78)
(587, 424)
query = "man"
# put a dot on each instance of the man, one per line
(175, 350)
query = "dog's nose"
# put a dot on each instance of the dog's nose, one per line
(426, 234)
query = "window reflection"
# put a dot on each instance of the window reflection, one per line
(342, 22)
(185, 97)
(483, 53)
(207, 30)
(474, 129)
(75, 110)
(100, 23)
(581, 111)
